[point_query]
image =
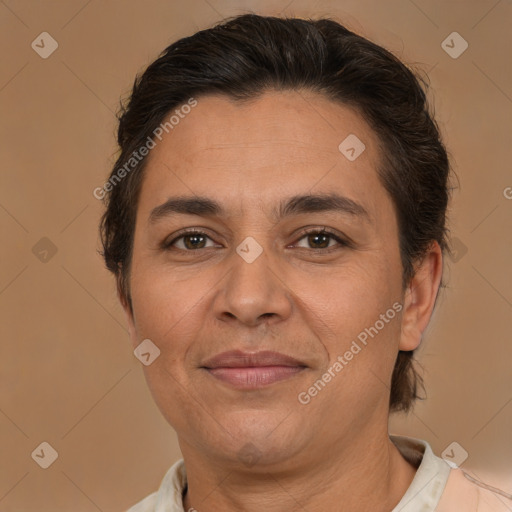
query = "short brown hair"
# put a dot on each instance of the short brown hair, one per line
(246, 55)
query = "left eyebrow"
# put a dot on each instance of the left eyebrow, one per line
(312, 203)
(295, 205)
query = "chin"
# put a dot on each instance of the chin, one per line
(258, 439)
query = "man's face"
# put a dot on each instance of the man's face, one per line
(253, 280)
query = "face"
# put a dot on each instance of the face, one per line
(278, 319)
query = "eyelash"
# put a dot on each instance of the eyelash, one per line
(343, 243)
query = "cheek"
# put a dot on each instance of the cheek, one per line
(363, 313)
(164, 308)
(173, 309)
(358, 295)
(165, 311)
(361, 360)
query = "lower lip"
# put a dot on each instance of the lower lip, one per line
(254, 377)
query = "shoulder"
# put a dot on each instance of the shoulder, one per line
(440, 487)
(148, 504)
(465, 493)
(168, 498)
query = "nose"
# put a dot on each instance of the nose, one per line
(253, 291)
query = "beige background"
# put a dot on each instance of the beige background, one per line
(68, 375)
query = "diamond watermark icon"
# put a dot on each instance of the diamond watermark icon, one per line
(351, 147)
(454, 45)
(146, 352)
(249, 454)
(249, 249)
(44, 250)
(454, 455)
(45, 455)
(458, 250)
(44, 45)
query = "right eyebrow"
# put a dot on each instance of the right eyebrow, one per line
(187, 205)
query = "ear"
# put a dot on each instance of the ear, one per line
(420, 298)
(130, 321)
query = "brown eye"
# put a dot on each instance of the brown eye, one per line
(194, 241)
(321, 239)
(190, 241)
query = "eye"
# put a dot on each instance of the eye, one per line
(319, 239)
(190, 240)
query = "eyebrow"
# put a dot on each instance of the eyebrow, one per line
(295, 205)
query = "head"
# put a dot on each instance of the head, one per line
(306, 161)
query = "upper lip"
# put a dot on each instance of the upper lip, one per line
(240, 359)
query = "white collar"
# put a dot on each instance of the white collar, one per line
(430, 479)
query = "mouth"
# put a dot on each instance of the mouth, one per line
(252, 370)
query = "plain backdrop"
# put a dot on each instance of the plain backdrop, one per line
(68, 376)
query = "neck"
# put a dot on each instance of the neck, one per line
(366, 474)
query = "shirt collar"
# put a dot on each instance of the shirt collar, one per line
(425, 491)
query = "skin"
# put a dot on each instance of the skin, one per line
(333, 453)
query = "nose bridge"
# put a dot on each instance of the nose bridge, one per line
(252, 289)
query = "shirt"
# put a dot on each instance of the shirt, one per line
(436, 486)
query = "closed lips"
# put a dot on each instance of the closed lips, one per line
(248, 371)
(240, 359)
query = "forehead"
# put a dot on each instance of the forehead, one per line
(281, 143)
